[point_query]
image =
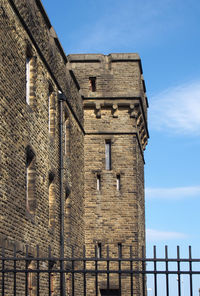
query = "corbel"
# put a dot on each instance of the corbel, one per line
(134, 110)
(98, 110)
(115, 110)
(144, 142)
(139, 120)
(141, 131)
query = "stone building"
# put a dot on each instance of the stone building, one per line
(73, 130)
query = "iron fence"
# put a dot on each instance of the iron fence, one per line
(23, 274)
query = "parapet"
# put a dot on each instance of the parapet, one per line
(101, 58)
(116, 75)
(110, 84)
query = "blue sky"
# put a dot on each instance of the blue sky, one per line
(166, 34)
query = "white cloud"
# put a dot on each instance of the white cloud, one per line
(172, 193)
(177, 109)
(127, 25)
(155, 235)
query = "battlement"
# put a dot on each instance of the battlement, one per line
(114, 75)
(112, 57)
(112, 86)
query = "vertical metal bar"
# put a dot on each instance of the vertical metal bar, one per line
(131, 269)
(3, 272)
(26, 271)
(73, 292)
(61, 98)
(119, 268)
(49, 270)
(167, 269)
(178, 271)
(108, 269)
(38, 272)
(155, 271)
(190, 266)
(96, 271)
(14, 274)
(143, 272)
(84, 271)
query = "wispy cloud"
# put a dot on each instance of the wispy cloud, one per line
(176, 110)
(157, 235)
(172, 193)
(128, 24)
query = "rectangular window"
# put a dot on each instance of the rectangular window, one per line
(66, 135)
(52, 112)
(92, 81)
(99, 255)
(118, 182)
(119, 250)
(98, 182)
(28, 61)
(108, 154)
(52, 282)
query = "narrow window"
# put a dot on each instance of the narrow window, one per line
(120, 250)
(67, 212)
(28, 61)
(52, 282)
(92, 81)
(52, 199)
(52, 112)
(66, 134)
(118, 182)
(32, 287)
(30, 181)
(99, 255)
(50, 105)
(30, 78)
(108, 154)
(98, 182)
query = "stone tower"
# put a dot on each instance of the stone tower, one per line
(115, 122)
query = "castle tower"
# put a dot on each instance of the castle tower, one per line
(115, 122)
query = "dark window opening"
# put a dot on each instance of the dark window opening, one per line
(92, 83)
(52, 200)
(99, 255)
(67, 192)
(98, 182)
(29, 156)
(118, 182)
(30, 181)
(110, 292)
(120, 250)
(108, 154)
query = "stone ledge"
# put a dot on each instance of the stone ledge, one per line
(112, 57)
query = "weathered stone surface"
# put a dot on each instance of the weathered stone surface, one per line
(24, 125)
(115, 112)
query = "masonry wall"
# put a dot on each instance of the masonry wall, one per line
(24, 25)
(114, 111)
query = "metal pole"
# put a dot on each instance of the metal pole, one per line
(61, 98)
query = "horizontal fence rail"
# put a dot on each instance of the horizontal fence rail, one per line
(123, 274)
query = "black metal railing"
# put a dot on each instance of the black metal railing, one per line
(121, 274)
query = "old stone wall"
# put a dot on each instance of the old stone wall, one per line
(24, 31)
(115, 112)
